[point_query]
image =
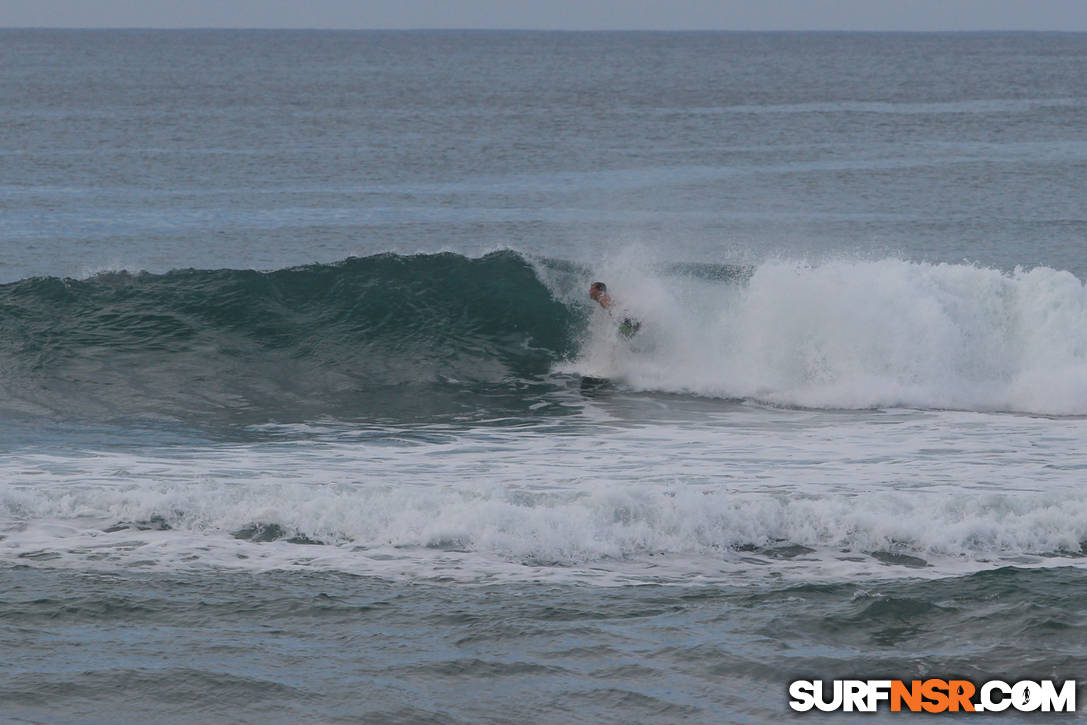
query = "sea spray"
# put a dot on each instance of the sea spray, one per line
(861, 334)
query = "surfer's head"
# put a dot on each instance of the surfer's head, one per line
(598, 293)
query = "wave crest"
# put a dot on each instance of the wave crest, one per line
(318, 340)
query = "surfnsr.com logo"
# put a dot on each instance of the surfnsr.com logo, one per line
(932, 695)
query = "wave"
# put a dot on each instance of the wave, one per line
(357, 337)
(392, 337)
(859, 334)
(337, 508)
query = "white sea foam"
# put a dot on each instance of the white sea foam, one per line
(636, 487)
(725, 496)
(855, 334)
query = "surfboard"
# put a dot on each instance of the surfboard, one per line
(590, 384)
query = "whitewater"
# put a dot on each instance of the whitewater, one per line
(869, 334)
(868, 387)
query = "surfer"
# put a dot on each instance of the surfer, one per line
(598, 293)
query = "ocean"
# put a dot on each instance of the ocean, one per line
(306, 416)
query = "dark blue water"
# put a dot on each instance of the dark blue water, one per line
(293, 331)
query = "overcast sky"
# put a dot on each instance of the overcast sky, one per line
(554, 14)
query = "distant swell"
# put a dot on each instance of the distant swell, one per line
(355, 337)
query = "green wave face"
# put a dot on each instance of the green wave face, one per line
(386, 336)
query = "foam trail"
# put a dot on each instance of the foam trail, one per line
(859, 334)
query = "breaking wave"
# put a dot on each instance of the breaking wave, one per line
(392, 337)
(381, 336)
(860, 334)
